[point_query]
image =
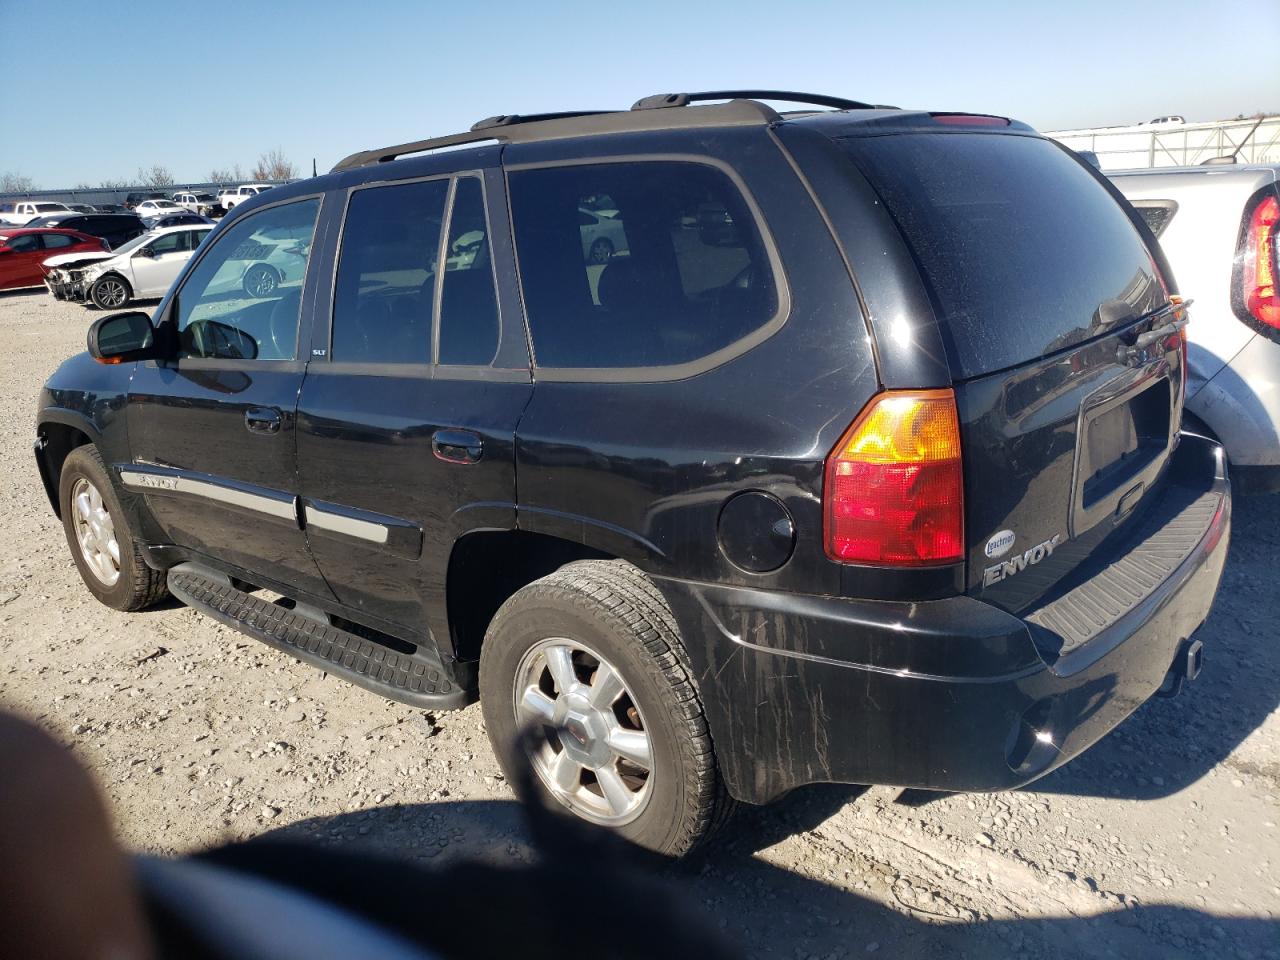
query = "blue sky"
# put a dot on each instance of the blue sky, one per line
(198, 85)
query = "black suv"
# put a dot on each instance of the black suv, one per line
(854, 455)
(115, 228)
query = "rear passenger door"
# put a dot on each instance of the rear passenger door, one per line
(407, 416)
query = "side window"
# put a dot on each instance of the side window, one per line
(637, 264)
(384, 294)
(55, 241)
(469, 302)
(242, 300)
(169, 243)
(25, 243)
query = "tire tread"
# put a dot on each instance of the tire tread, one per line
(627, 597)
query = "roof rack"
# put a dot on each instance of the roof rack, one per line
(508, 119)
(661, 101)
(743, 108)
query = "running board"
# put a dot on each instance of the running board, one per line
(418, 679)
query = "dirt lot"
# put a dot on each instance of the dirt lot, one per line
(1161, 841)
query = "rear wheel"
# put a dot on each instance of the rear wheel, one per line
(590, 661)
(110, 292)
(103, 547)
(260, 280)
(601, 251)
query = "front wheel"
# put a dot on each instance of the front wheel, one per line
(103, 547)
(590, 661)
(110, 293)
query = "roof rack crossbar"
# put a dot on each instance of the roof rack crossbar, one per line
(662, 100)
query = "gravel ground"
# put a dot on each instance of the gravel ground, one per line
(1161, 841)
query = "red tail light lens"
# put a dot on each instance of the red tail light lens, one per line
(893, 490)
(1258, 276)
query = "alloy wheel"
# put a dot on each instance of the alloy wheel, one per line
(95, 532)
(111, 292)
(592, 749)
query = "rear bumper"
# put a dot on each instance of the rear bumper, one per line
(948, 694)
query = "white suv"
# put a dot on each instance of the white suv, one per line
(1219, 226)
(242, 193)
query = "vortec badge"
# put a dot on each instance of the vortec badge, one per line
(997, 572)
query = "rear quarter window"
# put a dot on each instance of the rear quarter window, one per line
(639, 264)
(1024, 252)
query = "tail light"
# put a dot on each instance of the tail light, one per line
(1258, 274)
(893, 489)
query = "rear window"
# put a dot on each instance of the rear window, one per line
(1022, 249)
(638, 265)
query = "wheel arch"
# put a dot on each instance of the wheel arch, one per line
(487, 567)
(106, 276)
(57, 434)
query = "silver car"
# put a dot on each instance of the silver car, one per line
(1218, 227)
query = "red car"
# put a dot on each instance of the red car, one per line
(22, 251)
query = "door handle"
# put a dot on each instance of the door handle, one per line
(457, 446)
(262, 420)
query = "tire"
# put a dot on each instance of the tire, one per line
(601, 251)
(93, 520)
(593, 618)
(110, 292)
(260, 281)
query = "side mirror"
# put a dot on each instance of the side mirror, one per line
(5, 250)
(146, 252)
(122, 338)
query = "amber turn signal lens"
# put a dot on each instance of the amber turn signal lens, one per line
(894, 484)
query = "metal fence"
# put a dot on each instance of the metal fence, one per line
(1256, 140)
(97, 195)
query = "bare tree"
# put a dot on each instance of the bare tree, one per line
(113, 184)
(273, 165)
(157, 176)
(220, 175)
(16, 183)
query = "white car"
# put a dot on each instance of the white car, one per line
(602, 234)
(242, 193)
(142, 269)
(157, 208)
(20, 212)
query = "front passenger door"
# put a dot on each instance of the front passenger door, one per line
(211, 431)
(157, 264)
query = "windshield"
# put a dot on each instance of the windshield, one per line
(48, 207)
(132, 244)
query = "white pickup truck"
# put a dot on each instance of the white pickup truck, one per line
(20, 212)
(1219, 227)
(242, 193)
